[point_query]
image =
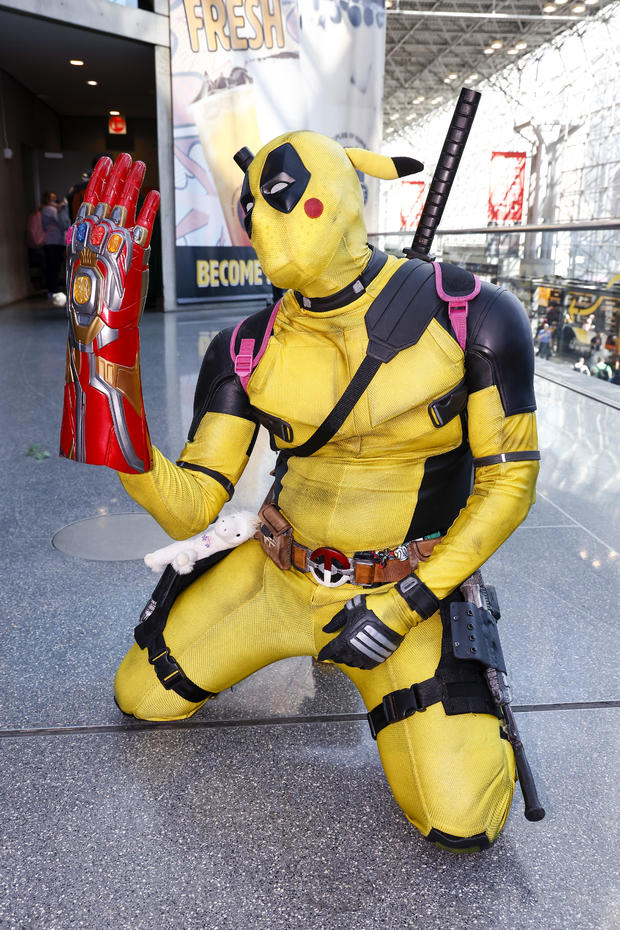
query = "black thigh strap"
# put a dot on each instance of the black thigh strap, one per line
(170, 673)
(149, 634)
(460, 685)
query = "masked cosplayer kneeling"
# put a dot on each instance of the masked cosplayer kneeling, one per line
(423, 464)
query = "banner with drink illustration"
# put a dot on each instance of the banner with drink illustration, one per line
(242, 73)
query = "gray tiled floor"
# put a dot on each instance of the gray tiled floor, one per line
(286, 823)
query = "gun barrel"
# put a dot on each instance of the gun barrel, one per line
(533, 808)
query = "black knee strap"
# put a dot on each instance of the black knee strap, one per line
(149, 634)
(170, 673)
(460, 685)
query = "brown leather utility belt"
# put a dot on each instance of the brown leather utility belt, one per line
(329, 566)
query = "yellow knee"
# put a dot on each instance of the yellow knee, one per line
(452, 776)
(139, 693)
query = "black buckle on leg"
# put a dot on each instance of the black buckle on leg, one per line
(172, 676)
(166, 668)
(395, 706)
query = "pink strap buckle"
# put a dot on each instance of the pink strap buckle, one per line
(243, 361)
(458, 307)
(457, 311)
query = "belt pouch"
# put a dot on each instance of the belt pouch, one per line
(275, 535)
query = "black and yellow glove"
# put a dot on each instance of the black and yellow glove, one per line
(373, 626)
(364, 641)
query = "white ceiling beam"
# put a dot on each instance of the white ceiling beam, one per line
(518, 17)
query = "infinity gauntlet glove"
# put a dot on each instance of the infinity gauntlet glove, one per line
(103, 421)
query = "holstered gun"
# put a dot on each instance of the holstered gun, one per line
(475, 637)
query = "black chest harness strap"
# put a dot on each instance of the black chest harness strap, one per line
(395, 320)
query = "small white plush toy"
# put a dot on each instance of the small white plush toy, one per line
(228, 531)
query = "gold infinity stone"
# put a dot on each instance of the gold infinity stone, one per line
(82, 288)
(115, 243)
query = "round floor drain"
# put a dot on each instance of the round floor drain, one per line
(114, 537)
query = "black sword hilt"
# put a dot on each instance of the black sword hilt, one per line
(445, 172)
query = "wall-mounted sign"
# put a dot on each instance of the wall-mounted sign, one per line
(117, 126)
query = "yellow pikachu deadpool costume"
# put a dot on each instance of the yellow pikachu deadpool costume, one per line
(398, 470)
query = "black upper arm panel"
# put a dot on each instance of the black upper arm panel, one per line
(218, 389)
(500, 349)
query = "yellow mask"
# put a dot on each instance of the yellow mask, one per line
(304, 209)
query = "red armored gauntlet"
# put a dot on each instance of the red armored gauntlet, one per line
(103, 419)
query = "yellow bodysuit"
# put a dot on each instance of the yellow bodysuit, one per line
(391, 474)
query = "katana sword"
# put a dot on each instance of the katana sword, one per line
(445, 172)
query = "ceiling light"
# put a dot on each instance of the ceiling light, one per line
(473, 77)
(436, 100)
(520, 45)
(118, 113)
(497, 44)
(579, 8)
(447, 80)
(560, 2)
(388, 4)
(419, 98)
(512, 51)
(92, 83)
(488, 51)
(453, 75)
(549, 8)
(590, 2)
(76, 61)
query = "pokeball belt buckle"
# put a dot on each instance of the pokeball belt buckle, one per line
(330, 567)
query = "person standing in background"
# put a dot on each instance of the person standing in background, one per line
(544, 342)
(55, 222)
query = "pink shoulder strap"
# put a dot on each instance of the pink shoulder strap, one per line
(458, 307)
(244, 360)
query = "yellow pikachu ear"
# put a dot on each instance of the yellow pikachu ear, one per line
(382, 166)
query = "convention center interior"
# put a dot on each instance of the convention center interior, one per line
(309, 340)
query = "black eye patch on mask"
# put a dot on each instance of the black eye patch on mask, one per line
(284, 178)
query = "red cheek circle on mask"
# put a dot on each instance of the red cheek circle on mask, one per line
(313, 208)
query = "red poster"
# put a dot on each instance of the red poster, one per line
(411, 204)
(506, 187)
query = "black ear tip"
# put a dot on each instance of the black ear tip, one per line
(405, 166)
(243, 158)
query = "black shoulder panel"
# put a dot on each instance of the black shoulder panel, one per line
(398, 316)
(457, 281)
(218, 388)
(500, 349)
